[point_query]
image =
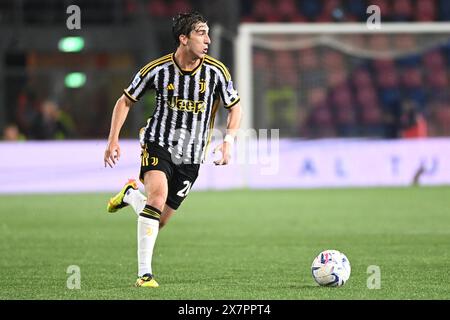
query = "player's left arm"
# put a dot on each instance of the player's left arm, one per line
(233, 124)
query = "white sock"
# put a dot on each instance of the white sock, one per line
(147, 233)
(135, 199)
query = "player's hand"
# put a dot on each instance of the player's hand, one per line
(225, 149)
(112, 154)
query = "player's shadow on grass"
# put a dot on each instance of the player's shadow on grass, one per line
(300, 286)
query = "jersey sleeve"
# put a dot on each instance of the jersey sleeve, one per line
(142, 81)
(227, 90)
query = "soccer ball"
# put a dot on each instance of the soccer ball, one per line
(331, 268)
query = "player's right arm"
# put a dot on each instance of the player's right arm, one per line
(120, 112)
(143, 80)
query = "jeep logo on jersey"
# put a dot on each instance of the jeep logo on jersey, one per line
(186, 105)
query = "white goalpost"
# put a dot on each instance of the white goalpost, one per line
(296, 37)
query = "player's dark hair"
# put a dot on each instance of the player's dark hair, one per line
(184, 23)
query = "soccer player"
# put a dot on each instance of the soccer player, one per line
(189, 85)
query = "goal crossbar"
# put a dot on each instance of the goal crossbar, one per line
(243, 46)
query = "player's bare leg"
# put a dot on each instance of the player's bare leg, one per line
(148, 225)
(167, 213)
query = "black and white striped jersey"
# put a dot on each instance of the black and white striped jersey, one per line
(186, 103)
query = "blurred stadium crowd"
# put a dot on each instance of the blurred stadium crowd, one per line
(115, 11)
(340, 95)
(335, 94)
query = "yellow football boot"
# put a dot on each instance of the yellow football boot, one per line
(146, 281)
(116, 202)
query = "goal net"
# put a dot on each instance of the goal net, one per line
(344, 80)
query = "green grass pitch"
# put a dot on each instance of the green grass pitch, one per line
(231, 245)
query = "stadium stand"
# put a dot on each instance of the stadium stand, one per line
(340, 96)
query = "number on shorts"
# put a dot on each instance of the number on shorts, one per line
(184, 192)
